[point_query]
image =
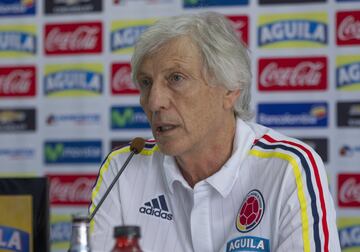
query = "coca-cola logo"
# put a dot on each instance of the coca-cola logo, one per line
(348, 28)
(71, 190)
(240, 24)
(292, 74)
(304, 74)
(349, 190)
(121, 79)
(74, 38)
(17, 81)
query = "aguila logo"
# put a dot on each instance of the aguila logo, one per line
(251, 212)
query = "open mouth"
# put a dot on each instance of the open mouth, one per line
(165, 128)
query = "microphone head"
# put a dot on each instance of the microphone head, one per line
(137, 145)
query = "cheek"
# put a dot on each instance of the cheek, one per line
(143, 104)
(206, 111)
(143, 100)
(197, 115)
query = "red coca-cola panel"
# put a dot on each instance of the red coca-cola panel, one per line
(292, 74)
(17, 81)
(121, 83)
(71, 190)
(348, 28)
(241, 26)
(349, 190)
(73, 38)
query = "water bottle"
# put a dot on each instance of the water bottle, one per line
(127, 239)
(79, 241)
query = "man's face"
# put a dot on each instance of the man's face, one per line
(185, 112)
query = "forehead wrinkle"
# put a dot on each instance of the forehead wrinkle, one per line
(176, 47)
(179, 54)
(172, 64)
(175, 66)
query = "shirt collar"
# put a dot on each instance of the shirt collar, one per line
(224, 179)
(172, 173)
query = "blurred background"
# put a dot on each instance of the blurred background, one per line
(67, 99)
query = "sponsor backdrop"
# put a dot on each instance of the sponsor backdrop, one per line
(66, 97)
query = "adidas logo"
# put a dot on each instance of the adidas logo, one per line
(157, 207)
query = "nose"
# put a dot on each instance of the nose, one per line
(158, 97)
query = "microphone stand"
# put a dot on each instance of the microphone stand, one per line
(133, 152)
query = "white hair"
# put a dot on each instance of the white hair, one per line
(225, 57)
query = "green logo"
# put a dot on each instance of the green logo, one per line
(192, 2)
(52, 153)
(120, 120)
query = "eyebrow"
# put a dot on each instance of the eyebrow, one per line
(176, 67)
(142, 73)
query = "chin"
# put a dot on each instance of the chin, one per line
(169, 149)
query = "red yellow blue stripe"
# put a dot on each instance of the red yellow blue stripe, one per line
(295, 148)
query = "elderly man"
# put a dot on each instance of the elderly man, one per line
(211, 180)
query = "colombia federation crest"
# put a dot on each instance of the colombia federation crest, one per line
(251, 211)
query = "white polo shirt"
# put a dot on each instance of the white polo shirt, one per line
(271, 195)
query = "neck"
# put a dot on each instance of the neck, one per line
(201, 164)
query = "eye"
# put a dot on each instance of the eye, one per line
(175, 78)
(145, 82)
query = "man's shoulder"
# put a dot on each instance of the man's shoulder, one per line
(273, 144)
(274, 137)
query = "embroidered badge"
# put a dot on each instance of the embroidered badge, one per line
(251, 212)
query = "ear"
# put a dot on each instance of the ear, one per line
(230, 98)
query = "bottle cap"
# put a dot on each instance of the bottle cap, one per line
(133, 231)
(80, 218)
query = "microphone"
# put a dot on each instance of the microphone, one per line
(136, 146)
